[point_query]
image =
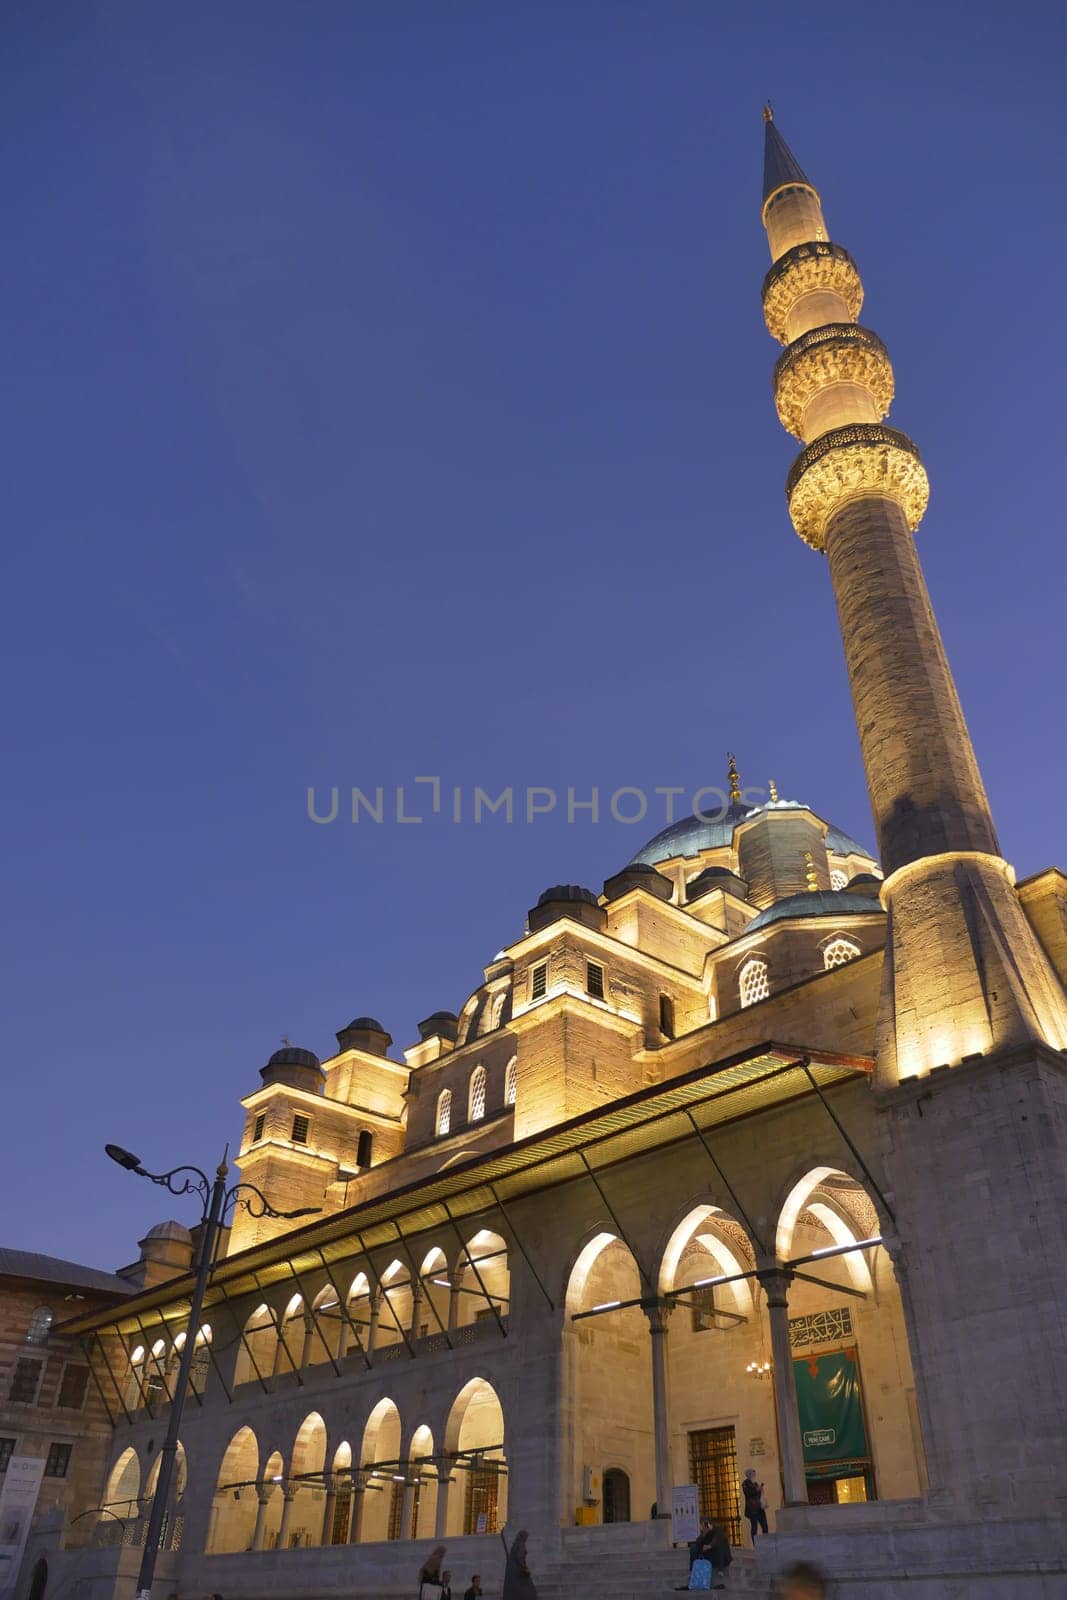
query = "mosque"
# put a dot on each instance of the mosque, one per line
(753, 1158)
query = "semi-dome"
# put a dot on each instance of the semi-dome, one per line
(290, 1055)
(817, 903)
(691, 835)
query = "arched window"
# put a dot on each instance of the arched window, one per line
(40, 1326)
(444, 1111)
(364, 1148)
(511, 1081)
(838, 951)
(754, 981)
(838, 879)
(476, 1098)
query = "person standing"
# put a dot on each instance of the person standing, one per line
(755, 1510)
(518, 1584)
(431, 1581)
(475, 1590)
(446, 1585)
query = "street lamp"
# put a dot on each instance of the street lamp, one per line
(216, 1199)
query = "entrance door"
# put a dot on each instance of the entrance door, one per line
(616, 1495)
(713, 1468)
(342, 1513)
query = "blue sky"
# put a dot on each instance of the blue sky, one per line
(385, 393)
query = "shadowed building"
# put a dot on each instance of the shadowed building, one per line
(755, 1157)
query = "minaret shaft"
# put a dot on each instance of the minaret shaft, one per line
(964, 973)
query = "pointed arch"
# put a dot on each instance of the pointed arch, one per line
(476, 1094)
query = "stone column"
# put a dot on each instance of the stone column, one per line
(309, 1338)
(658, 1314)
(408, 1506)
(375, 1314)
(417, 1293)
(359, 1496)
(444, 1487)
(329, 1509)
(260, 1532)
(288, 1495)
(790, 1445)
(455, 1279)
(342, 1336)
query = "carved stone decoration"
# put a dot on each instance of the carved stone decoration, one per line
(841, 352)
(820, 264)
(865, 458)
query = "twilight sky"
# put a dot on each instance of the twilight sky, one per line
(385, 395)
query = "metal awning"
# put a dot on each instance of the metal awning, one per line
(759, 1080)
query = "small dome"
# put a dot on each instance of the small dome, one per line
(713, 878)
(291, 1056)
(817, 903)
(863, 883)
(567, 891)
(169, 1230)
(366, 1025)
(442, 1016)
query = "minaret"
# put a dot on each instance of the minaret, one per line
(964, 973)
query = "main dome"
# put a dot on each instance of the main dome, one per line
(690, 835)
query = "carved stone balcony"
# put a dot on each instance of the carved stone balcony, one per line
(819, 264)
(838, 352)
(865, 458)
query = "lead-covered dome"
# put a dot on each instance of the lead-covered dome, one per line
(817, 903)
(691, 835)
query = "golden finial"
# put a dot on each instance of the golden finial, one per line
(773, 787)
(734, 780)
(809, 872)
(768, 112)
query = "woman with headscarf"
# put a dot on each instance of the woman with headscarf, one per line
(518, 1584)
(431, 1582)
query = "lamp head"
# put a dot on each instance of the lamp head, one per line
(124, 1158)
(304, 1211)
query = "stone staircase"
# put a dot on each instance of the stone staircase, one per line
(596, 1571)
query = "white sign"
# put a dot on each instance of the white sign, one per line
(18, 1497)
(820, 1438)
(685, 1513)
(482, 1523)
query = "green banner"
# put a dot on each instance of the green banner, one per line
(831, 1408)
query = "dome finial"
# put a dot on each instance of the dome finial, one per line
(768, 112)
(809, 873)
(734, 780)
(773, 787)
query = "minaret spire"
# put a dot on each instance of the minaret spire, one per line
(857, 491)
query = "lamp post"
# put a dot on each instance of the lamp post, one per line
(216, 1198)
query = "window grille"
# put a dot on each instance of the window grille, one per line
(838, 879)
(57, 1461)
(594, 980)
(511, 1081)
(364, 1148)
(257, 1131)
(476, 1109)
(838, 952)
(755, 983)
(301, 1126)
(24, 1381)
(480, 1500)
(444, 1111)
(539, 981)
(40, 1326)
(666, 1016)
(72, 1386)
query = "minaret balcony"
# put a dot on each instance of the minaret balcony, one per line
(819, 269)
(862, 460)
(840, 353)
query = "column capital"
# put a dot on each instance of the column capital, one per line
(658, 1313)
(775, 1282)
